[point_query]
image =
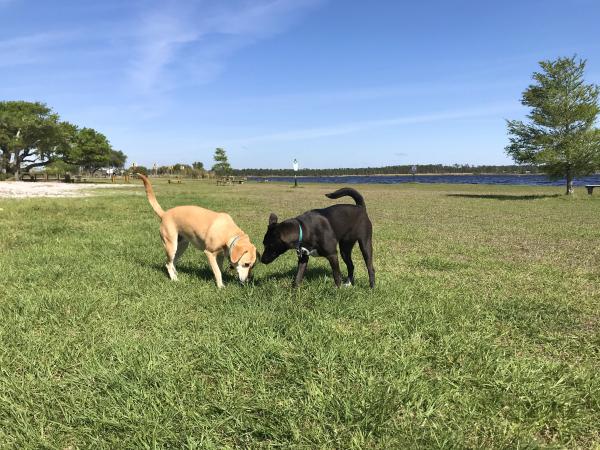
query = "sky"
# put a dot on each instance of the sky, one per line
(333, 83)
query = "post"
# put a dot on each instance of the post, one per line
(295, 166)
(413, 171)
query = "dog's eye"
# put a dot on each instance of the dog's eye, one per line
(246, 265)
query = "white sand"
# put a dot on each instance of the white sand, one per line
(23, 189)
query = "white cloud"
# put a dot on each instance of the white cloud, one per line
(160, 44)
(354, 127)
(193, 40)
(30, 49)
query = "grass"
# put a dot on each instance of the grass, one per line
(483, 330)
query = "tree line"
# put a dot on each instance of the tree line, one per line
(391, 170)
(33, 136)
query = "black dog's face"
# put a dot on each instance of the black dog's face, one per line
(273, 241)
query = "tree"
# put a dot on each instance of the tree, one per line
(91, 149)
(561, 137)
(32, 135)
(117, 159)
(221, 166)
(140, 169)
(182, 168)
(28, 132)
(198, 170)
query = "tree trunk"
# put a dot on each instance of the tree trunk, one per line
(570, 188)
(3, 163)
(17, 165)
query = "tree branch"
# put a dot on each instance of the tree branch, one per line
(37, 164)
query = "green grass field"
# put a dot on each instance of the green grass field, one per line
(483, 330)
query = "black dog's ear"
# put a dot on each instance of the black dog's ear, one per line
(272, 219)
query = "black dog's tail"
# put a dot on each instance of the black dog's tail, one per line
(360, 201)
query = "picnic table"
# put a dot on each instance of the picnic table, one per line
(42, 176)
(38, 176)
(590, 187)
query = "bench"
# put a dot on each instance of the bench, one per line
(590, 187)
(177, 180)
(27, 176)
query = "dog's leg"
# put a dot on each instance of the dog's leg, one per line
(170, 244)
(302, 263)
(346, 251)
(366, 247)
(182, 246)
(220, 259)
(335, 266)
(214, 265)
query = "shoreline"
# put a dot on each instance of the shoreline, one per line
(462, 174)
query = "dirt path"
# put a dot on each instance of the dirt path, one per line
(23, 189)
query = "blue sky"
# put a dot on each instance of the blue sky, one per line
(333, 83)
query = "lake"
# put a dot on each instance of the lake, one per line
(530, 180)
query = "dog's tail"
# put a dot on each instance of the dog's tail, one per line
(151, 197)
(360, 201)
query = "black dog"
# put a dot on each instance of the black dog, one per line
(317, 233)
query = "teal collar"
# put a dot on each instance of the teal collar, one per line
(300, 250)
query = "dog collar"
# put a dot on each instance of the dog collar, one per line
(233, 242)
(300, 250)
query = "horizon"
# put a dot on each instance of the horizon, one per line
(300, 169)
(333, 84)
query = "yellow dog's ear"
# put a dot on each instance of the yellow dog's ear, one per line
(238, 251)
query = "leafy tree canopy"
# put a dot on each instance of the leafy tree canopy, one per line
(560, 136)
(221, 166)
(32, 135)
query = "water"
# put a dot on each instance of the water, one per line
(529, 180)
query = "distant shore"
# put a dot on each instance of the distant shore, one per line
(431, 178)
(445, 174)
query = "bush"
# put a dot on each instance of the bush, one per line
(139, 169)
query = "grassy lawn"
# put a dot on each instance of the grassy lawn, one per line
(483, 330)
